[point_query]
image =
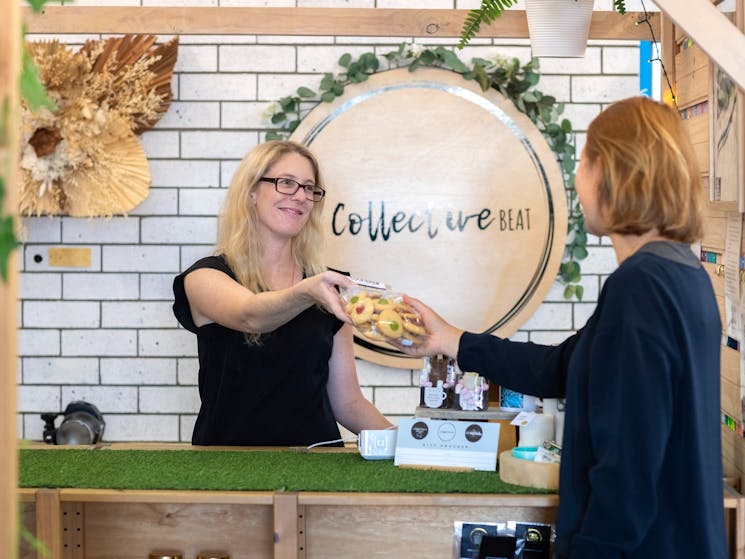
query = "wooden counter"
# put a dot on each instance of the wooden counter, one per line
(76, 523)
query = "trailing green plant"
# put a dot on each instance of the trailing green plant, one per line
(492, 9)
(514, 81)
(35, 96)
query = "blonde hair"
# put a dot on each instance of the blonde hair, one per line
(650, 174)
(237, 237)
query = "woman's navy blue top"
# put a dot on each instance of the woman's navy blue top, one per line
(641, 467)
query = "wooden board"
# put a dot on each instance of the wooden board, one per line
(442, 191)
(359, 22)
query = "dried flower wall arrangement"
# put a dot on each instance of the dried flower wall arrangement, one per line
(84, 158)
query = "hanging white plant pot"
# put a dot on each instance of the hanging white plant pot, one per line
(558, 28)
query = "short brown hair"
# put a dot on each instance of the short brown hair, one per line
(650, 174)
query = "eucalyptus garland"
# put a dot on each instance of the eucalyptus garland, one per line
(507, 76)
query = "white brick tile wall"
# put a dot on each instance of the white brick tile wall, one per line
(39, 398)
(215, 39)
(218, 87)
(188, 371)
(107, 332)
(397, 400)
(325, 59)
(372, 374)
(108, 399)
(588, 64)
(99, 342)
(606, 89)
(60, 370)
(257, 58)
(156, 286)
(159, 144)
(49, 314)
(182, 173)
(138, 371)
(620, 60)
(41, 230)
(190, 254)
(150, 314)
(243, 115)
(227, 170)
(30, 426)
(169, 399)
(558, 315)
(191, 114)
(186, 427)
(196, 58)
(38, 342)
(139, 258)
(114, 231)
(141, 428)
(174, 230)
(40, 286)
(171, 343)
(100, 286)
(580, 115)
(275, 86)
(218, 145)
(201, 201)
(160, 201)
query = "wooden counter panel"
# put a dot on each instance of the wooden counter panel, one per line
(399, 531)
(132, 530)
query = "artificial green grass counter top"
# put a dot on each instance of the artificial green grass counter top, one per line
(242, 470)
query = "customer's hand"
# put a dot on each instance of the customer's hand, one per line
(442, 337)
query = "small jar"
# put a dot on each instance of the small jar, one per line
(213, 555)
(437, 381)
(165, 555)
(472, 392)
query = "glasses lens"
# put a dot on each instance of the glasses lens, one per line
(287, 186)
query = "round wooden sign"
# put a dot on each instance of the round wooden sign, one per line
(442, 191)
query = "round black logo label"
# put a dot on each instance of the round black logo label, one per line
(474, 432)
(419, 430)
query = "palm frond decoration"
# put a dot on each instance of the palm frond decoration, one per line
(486, 13)
(82, 157)
(492, 9)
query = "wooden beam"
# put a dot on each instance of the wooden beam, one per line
(712, 31)
(359, 22)
(49, 522)
(10, 58)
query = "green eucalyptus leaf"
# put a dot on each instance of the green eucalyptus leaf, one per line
(305, 93)
(328, 96)
(579, 291)
(293, 124)
(273, 135)
(530, 97)
(8, 243)
(569, 291)
(566, 126)
(579, 252)
(345, 59)
(452, 60)
(327, 82)
(426, 58)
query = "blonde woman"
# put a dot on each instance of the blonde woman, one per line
(276, 361)
(641, 466)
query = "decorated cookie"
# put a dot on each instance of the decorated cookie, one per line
(390, 324)
(413, 324)
(361, 310)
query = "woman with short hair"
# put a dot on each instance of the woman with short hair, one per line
(641, 465)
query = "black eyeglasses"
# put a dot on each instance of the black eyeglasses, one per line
(289, 187)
